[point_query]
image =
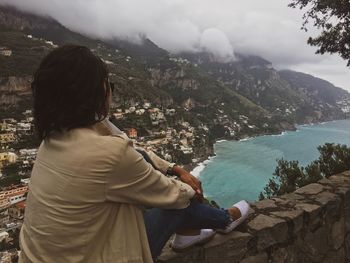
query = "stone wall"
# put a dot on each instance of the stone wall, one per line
(310, 225)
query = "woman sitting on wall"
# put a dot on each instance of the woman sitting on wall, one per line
(89, 185)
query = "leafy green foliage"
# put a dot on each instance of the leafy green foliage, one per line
(334, 159)
(289, 176)
(333, 18)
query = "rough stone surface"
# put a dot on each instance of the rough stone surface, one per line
(310, 189)
(313, 213)
(290, 254)
(337, 256)
(325, 198)
(262, 258)
(296, 217)
(315, 244)
(337, 234)
(234, 246)
(265, 204)
(310, 225)
(269, 230)
(347, 247)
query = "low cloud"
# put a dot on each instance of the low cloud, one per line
(266, 28)
(216, 42)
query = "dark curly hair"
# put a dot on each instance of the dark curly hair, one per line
(69, 90)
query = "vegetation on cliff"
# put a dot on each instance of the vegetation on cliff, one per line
(333, 18)
(289, 175)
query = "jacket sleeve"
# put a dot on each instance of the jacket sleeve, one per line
(107, 128)
(135, 181)
(159, 163)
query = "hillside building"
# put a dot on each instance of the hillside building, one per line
(7, 137)
(13, 196)
(5, 257)
(17, 211)
(132, 133)
(5, 52)
(8, 157)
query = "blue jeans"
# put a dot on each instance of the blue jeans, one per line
(162, 223)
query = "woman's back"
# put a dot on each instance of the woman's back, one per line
(88, 182)
(69, 218)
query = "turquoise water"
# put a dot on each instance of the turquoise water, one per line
(241, 169)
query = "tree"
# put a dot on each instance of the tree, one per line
(289, 176)
(333, 159)
(332, 17)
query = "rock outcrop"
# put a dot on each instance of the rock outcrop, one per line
(310, 225)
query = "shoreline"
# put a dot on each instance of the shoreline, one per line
(197, 167)
(196, 171)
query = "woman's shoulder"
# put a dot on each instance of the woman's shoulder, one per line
(86, 141)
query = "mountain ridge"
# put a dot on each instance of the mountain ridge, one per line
(194, 83)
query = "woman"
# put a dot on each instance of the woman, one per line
(89, 185)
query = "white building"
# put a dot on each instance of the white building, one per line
(5, 51)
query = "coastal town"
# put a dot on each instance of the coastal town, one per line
(16, 161)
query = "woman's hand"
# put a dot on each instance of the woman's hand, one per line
(189, 179)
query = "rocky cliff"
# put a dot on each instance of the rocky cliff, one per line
(15, 93)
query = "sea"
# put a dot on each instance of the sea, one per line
(241, 169)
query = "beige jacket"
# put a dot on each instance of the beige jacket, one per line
(85, 200)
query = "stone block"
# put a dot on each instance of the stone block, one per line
(290, 200)
(290, 254)
(261, 258)
(347, 247)
(294, 216)
(342, 179)
(192, 255)
(281, 202)
(343, 192)
(311, 189)
(337, 234)
(315, 244)
(233, 246)
(325, 198)
(335, 256)
(312, 211)
(346, 174)
(251, 212)
(326, 182)
(268, 230)
(330, 203)
(266, 204)
(346, 215)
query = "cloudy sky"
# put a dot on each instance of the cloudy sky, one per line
(266, 28)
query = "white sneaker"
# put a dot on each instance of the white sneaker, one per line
(180, 242)
(243, 207)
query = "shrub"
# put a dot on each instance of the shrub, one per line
(289, 176)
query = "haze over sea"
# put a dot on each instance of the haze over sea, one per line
(241, 169)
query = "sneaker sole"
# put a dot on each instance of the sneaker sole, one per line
(202, 242)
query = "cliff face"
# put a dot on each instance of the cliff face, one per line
(309, 225)
(295, 96)
(15, 84)
(13, 90)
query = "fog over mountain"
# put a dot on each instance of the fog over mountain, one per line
(266, 28)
